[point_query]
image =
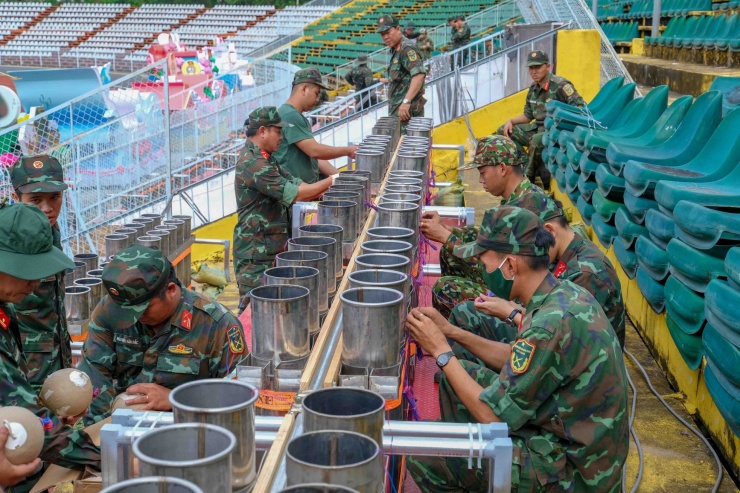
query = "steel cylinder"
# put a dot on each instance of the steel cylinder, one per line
(309, 258)
(372, 147)
(390, 233)
(139, 227)
(338, 457)
(350, 187)
(145, 220)
(165, 239)
(389, 246)
(78, 272)
(389, 261)
(95, 273)
(407, 173)
(230, 405)
(96, 289)
(188, 227)
(401, 197)
(156, 219)
(180, 225)
(340, 213)
(154, 242)
(90, 259)
(174, 239)
(318, 488)
(130, 232)
(414, 161)
(159, 484)
(77, 309)
(398, 215)
(280, 323)
(115, 243)
(371, 327)
(322, 244)
(328, 231)
(406, 181)
(346, 409)
(199, 453)
(308, 277)
(380, 278)
(418, 131)
(355, 197)
(345, 178)
(372, 161)
(403, 189)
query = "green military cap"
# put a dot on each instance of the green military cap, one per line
(131, 279)
(309, 75)
(38, 174)
(266, 116)
(27, 245)
(539, 203)
(362, 59)
(492, 150)
(386, 22)
(505, 229)
(409, 25)
(537, 57)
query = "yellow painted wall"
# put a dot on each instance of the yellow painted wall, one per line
(219, 230)
(583, 69)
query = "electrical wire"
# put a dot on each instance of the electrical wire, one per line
(640, 454)
(683, 421)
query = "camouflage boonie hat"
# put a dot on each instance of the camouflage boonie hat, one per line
(537, 58)
(362, 59)
(267, 116)
(309, 76)
(386, 22)
(38, 174)
(409, 25)
(131, 279)
(540, 204)
(492, 150)
(505, 229)
(27, 245)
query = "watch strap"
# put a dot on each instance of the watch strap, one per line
(514, 313)
(449, 355)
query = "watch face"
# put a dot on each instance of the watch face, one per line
(443, 359)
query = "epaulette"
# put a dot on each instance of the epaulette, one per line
(214, 310)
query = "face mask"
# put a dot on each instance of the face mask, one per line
(497, 283)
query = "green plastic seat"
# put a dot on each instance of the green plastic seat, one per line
(717, 159)
(696, 128)
(684, 306)
(638, 206)
(573, 154)
(678, 27)
(695, 268)
(704, 228)
(651, 258)
(604, 207)
(724, 354)
(627, 259)
(627, 228)
(722, 193)
(604, 231)
(689, 346)
(725, 395)
(571, 178)
(560, 178)
(585, 209)
(588, 167)
(573, 195)
(724, 44)
(561, 158)
(732, 266)
(722, 302)
(652, 290)
(601, 99)
(610, 185)
(586, 186)
(568, 120)
(661, 228)
(724, 34)
(729, 86)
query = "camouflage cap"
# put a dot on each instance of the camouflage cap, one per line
(309, 75)
(409, 25)
(537, 58)
(505, 229)
(266, 116)
(385, 23)
(539, 203)
(422, 31)
(493, 150)
(37, 174)
(27, 245)
(131, 279)
(361, 59)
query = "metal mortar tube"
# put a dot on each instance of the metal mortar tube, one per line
(77, 309)
(78, 272)
(156, 219)
(406, 181)
(356, 188)
(355, 197)
(341, 213)
(180, 225)
(160, 484)
(165, 240)
(96, 289)
(390, 279)
(352, 179)
(389, 246)
(390, 233)
(399, 215)
(407, 173)
(403, 189)
(328, 231)
(174, 243)
(154, 242)
(139, 227)
(90, 259)
(188, 228)
(401, 197)
(114, 244)
(308, 277)
(385, 261)
(411, 161)
(129, 232)
(310, 258)
(95, 273)
(373, 161)
(322, 244)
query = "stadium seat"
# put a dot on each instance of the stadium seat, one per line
(652, 290)
(651, 258)
(702, 227)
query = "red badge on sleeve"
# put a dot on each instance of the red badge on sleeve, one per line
(4, 320)
(187, 319)
(559, 269)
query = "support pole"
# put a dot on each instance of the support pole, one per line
(655, 31)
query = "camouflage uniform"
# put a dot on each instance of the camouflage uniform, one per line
(362, 77)
(202, 339)
(462, 279)
(529, 135)
(41, 315)
(26, 255)
(425, 46)
(582, 263)
(562, 393)
(406, 62)
(460, 37)
(264, 194)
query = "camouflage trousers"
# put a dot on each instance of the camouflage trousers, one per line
(446, 475)
(465, 316)
(461, 279)
(249, 273)
(529, 136)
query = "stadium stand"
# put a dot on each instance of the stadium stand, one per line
(16, 16)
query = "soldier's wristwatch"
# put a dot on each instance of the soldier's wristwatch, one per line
(444, 358)
(510, 319)
(405, 101)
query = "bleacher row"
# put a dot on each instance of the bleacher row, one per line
(659, 184)
(96, 33)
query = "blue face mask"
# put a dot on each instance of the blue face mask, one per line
(497, 282)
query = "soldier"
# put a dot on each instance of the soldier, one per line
(299, 154)
(27, 254)
(528, 133)
(499, 163)
(264, 194)
(362, 77)
(150, 334)
(460, 37)
(408, 30)
(561, 387)
(406, 73)
(39, 181)
(495, 318)
(424, 45)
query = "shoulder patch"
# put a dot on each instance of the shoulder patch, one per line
(4, 320)
(236, 339)
(521, 356)
(412, 56)
(568, 89)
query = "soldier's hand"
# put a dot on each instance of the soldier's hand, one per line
(494, 306)
(351, 150)
(153, 397)
(13, 474)
(433, 229)
(508, 127)
(426, 333)
(404, 112)
(439, 320)
(383, 80)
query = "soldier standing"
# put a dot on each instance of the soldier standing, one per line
(527, 129)
(561, 387)
(406, 72)
(264, 194)
(27, 254)
(460, 37)
(409, 31)
(150, 334)
(424, 45)
(39, 181)
(362, 77)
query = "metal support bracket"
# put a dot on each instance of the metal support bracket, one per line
(227, 252)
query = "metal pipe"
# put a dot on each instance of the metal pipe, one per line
(332, 340)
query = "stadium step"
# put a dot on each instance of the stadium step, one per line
(39, 17)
